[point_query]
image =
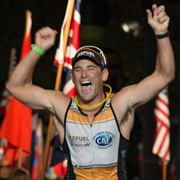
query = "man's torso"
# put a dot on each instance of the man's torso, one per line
(94, 148)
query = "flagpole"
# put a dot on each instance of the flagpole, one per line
(57, 84)
(65, 39)
(20, 158)
(39, 133)
(164, 170)
(12, 56)
(28, 23)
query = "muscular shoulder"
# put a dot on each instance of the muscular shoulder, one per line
(122, 102)
(126, 96)
(121, 97)
(59, 102)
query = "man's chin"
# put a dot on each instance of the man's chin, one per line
(86, 99)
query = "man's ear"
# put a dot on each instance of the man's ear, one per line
(105, 74)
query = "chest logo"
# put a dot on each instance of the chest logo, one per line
(103, 139)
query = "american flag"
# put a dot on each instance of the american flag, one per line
(162, 137)
(67, 85)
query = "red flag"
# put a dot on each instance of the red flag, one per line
(16, 127)
(162, 137)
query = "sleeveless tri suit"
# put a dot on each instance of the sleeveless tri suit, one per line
(97, 151)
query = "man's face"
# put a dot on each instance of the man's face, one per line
(88, 79)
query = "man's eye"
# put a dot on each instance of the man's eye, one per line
(77, 70)
(91, 69)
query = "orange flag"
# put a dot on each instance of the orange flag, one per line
(17, 124)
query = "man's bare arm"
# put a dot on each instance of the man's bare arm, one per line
(165, 66)
(125, 101)
(20, 84)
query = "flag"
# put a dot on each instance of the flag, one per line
(37, 146)
(55, 153)
(67, 85)
(51, 174)
(162, 137)
(59, 170)
(16, 127)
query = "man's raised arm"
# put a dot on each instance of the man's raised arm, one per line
(164, 71)
(159, 21)
(20, 85)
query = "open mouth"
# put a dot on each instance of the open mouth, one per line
(86, 83)
(86, 86)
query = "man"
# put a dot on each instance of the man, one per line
(94, 127)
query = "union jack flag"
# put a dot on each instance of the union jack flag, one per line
(162, 137)
(67, 85)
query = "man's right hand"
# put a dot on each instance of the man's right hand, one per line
(45, 38)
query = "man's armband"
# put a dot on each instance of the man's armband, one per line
(35, 48)
(161, 36)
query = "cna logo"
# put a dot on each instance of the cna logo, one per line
(103, 139)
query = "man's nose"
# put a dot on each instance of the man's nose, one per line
(84, 73)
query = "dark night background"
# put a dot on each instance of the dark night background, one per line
(131, 57)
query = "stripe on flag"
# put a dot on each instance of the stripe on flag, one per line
(162, 137)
